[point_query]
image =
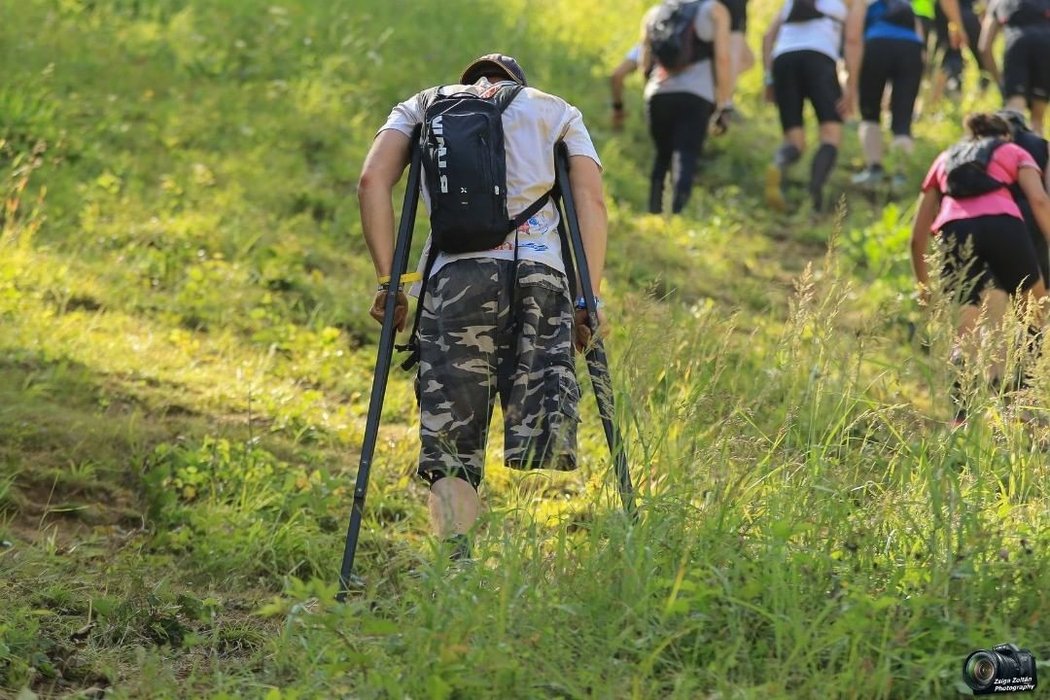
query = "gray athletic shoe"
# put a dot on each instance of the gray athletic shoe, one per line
(870, 177)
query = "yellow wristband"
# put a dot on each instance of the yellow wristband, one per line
(407, 277)
(953, 27)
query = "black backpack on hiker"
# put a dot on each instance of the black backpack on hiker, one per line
(803, 11)
(672, 36)
(465, 167)
(899, 13)
(1023, 13)
(966, 168)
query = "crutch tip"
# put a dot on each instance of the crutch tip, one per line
(352, 584)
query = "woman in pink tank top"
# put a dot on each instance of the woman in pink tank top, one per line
(979, 228)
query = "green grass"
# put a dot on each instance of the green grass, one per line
(185, 359)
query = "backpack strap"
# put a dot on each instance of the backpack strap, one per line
(428, 97)
(505, 96)
(563, 237)
(412, 346)
(503, 99)
(531, 210)
(988, 149)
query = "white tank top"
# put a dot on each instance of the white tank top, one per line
(823, 35)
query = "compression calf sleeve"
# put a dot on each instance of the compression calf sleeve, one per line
(823, 162)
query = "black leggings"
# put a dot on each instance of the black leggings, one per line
(894, 61)
(988, 251)
(678, 125)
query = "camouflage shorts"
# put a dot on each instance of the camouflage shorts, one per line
(470, 354)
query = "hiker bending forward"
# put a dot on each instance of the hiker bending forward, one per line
(966, 202)
(498, 321)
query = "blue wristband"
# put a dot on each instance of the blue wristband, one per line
(581, 303)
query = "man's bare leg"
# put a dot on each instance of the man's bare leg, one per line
(454, 507)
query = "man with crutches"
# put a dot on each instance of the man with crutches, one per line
(495, 318)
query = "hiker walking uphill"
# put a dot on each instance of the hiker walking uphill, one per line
(891, 53)
(966, 204)
(496, 317)
(800, 52)
(685, 52)
(949, 77)
(1025, 77)
(1039, 149)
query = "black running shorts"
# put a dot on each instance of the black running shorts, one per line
(806, 75)
(1026, 64)
(987, 251)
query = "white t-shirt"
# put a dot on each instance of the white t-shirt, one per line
(532, 124)
(823, 35)
(696, 79)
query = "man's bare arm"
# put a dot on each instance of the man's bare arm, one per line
(854, 49)
(585, 179)
(384, 165)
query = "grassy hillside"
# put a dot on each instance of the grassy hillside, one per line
(185, 359)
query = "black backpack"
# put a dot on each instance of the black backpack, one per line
(465, 166)
(900, 13)
(1022, 13)
(966, 168)
(803, 11)
(672, 37)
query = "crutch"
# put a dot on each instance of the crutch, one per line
(597, 362)
(382, 370)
